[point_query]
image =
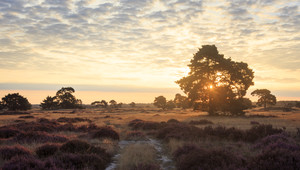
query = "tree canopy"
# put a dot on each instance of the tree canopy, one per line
(160, 102)
(15, 101)
(216, 83)
(265, 97)
(64, 99)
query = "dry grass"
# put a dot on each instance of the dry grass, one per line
(136, 154)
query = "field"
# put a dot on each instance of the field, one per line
(148, 138)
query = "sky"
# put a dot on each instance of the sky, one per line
(134, 50)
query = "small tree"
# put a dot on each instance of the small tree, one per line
(160, 102)
(1, 106)
(15, 102)
(132, 104)
(181, 101)
(170, 105)
(50, 103)
(113, 104)
(66, 99)
(265, 97)
(101, 103)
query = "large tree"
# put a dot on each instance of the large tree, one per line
(50, 103)
(15, 101)
(265, 97)
(216, 83)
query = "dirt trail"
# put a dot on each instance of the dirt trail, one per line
(165, 162)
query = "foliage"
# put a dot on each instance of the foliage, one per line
(144, 125)
(101, 103)
(216, 83)
(170, 105)
(24, 162)
(181, 101)
(7, 152)
(200, 122)
(132, 104)
(38, 137)
(50, 103)
(106, 132)
(64, 99)
(1, 105)
(160, 102)
(15, 101)
(7, 132)
(47, 150)
(265, 97)
(192, 157)
(75, 146)
(113, 104)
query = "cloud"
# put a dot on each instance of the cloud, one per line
(143, 41)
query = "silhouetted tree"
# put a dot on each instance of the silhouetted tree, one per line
(265, 97)
(113, 103)
(101, 103)
(66, 99)
(170, 105)
(181, 101)
(132, 104)
(216, 83)
(50, 103)
(15, 102)
(160, 102)
(119, 105)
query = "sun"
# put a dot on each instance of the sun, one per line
(211, 87)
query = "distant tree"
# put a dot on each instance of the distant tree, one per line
(181, 101)
(265, 97)
(15, 102)
(50, 103)
(66, 99)
(132, 104)
(113, 104)
(170, 105)
(160, 102)
(101, 103)
(215, 83)
(119, 105)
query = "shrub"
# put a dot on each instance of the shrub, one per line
(38, 137)
(144, 125)
(200, 122)
(77, 161)
(268, 140)
(260, 131)
(15, 102)
(24, 162)
(75, 146)
(106, 132)
(72, 120)
(7, 152)
(254, 123)
(276, 159)
(47, 150)
(173, 121)
(8, 132)
(192, 157)
(177, 131)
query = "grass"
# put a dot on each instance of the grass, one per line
(136, 155)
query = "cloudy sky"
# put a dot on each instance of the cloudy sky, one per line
(141, 47)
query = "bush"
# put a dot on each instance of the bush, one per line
(106, 132)
(276, 159)
(7, 152)
(15, 102)
(200, 122)
(8, 132)
(24, 162)
(268, 140)
(77, 161)
(75, 146)
(178, 131)
(260, 131)
(38, 137)
(72, 120)
(192, 157)
(173, 121)
(26, 117)
(144, 125)
(47, 150)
